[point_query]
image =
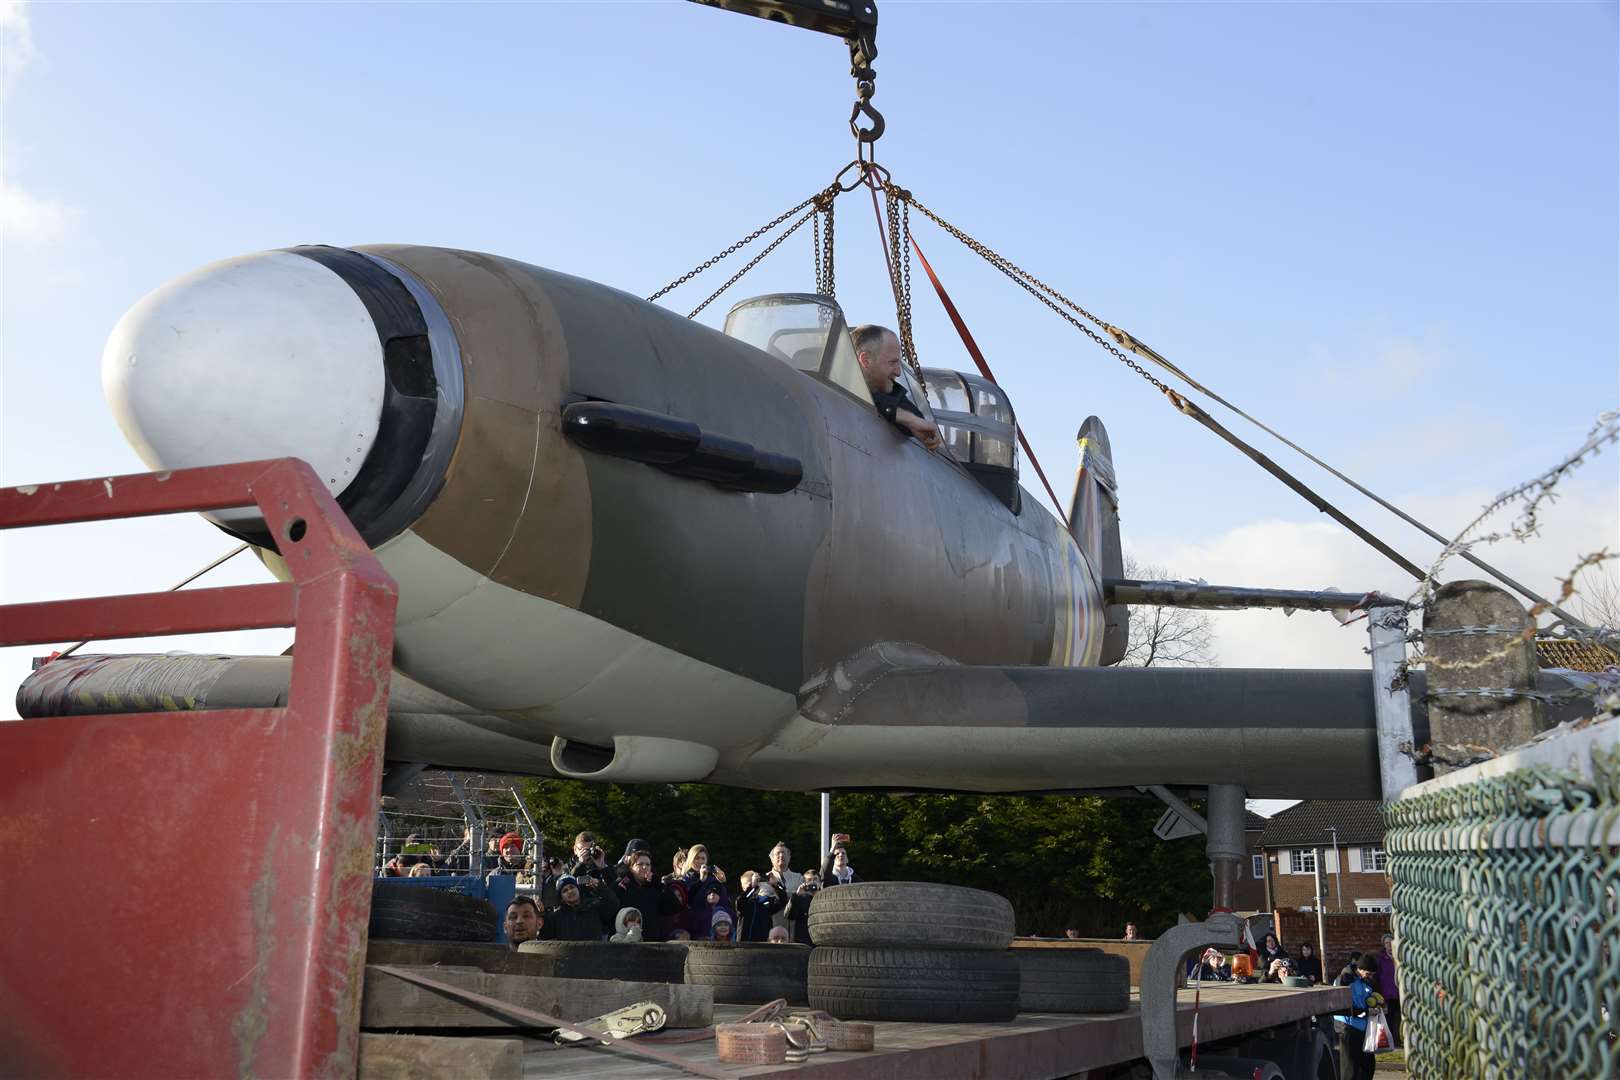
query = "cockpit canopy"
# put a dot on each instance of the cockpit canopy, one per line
(980, 429)
(804, 329)
(807, 331)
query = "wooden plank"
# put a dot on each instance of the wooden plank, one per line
(495, 959)
(390, 1003)
(428, 1057)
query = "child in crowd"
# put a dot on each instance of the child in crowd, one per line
(627, 927)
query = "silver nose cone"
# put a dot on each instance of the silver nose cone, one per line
(262, 356)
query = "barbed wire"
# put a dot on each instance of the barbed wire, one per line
(1533, 492)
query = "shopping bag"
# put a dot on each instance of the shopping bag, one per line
(1378, 1037)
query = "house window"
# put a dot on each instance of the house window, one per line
(1372, 907)
(1258, 863)
(1302, 861)
(1374, 859)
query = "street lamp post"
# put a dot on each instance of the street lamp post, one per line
(1338, 882)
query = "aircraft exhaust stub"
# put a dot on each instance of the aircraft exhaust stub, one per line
(680, 447)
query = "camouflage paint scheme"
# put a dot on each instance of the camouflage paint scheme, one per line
(881, 541)
(887, 623)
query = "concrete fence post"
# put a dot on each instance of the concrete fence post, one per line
(1471, 642)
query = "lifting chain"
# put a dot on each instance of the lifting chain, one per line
(818, 203)
(1042, 292)
(897, 213)
(822, 224)
(826, 194)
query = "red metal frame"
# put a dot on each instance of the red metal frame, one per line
(187, 893)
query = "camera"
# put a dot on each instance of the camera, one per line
(595, 853)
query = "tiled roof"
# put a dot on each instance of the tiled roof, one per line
(1575, 655)
(1253, 822)
(1360, 822)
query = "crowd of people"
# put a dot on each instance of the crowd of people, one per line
(1370, 975)
(586, 898)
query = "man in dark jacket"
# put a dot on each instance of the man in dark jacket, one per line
(577, 918)
(877, 350)
(759, 901)
(798, 909)
(656, 900)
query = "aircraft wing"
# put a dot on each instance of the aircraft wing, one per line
(900, 716)
(423, 725)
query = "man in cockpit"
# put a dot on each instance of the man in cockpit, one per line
(877, 349)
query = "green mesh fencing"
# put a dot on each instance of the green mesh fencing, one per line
(1507, 913)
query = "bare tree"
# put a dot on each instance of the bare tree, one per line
(1167, 636)
(1600, 599)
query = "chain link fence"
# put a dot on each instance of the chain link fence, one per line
(1507, 912)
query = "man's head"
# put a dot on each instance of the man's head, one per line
(779, 857)
(641, 867)
(523, 920)
(635, 847)
(878, 351)
(840, 859)
(511, 847)
(749, 877)
(583, 843)
(778, 935)
(1130, 931)
(812, 878)
(1072, 934)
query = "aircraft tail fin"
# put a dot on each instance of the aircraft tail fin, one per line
(1094, 523)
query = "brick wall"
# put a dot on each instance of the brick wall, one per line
(1345, 934)
(1298, 890)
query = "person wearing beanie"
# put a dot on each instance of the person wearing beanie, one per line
(1354, 1062)
(627, 927)
(708, 904)
(720, 925)
(577, 916)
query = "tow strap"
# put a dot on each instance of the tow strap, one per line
(984, 369)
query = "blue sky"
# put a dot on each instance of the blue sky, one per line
(1389, 229)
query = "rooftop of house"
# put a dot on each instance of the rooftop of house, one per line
(1310, 824)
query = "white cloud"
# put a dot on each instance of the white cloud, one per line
(31, 219)
(16, 41)
(26, 219)
(1292, 554)
(1381, 367)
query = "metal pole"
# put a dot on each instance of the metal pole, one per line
(1321, 925)
(539, 839)
(1392, 703)
(1338, 882)
(826, 826)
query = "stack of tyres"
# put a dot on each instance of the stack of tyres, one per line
(912, 951)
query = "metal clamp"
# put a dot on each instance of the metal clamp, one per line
(620, 1023)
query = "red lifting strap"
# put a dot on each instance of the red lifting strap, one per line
(984, 369)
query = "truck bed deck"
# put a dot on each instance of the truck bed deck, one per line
(1035, 1046)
